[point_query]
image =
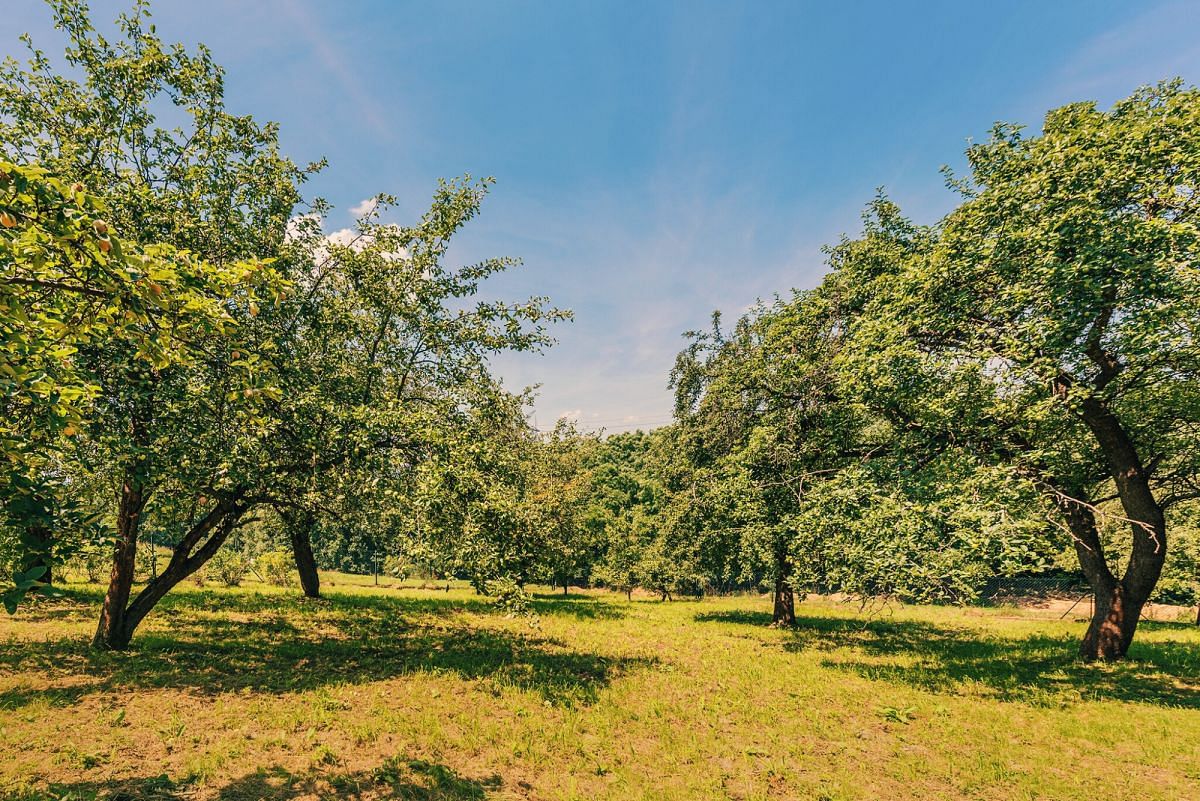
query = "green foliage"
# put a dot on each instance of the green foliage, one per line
(276, 567)
(1050, 326)
(337, 366)
(188, 352)
(908, 428)
(144, 253)
(228, 566)
(69, 286)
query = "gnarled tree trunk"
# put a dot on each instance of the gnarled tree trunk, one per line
(1118, 601)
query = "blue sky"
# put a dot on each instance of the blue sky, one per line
(655, 160)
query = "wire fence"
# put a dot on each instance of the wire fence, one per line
(1044, 586)
(1066, 587)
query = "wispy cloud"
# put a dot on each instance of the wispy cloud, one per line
(350, 79)
(639, 267)
(1158, 44)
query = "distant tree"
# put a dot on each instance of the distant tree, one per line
(561, 466)
(623, 509)
(766, 418)
(471, 513)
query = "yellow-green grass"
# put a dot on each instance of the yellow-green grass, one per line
(372, 693)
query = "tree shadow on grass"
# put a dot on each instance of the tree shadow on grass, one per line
(1039, 669)
(55, 697)
(233, 642)
(742, 616)
(398, 778)
(582, 607)
(395, 778)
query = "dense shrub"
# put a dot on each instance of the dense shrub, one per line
(229, 567)
(276, 567)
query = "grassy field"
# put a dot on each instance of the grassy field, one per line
(255, 693)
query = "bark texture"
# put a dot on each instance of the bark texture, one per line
(1118, 600)
(1119, 603)
(111, 631)
(784, 613)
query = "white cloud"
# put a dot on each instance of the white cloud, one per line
(365, 207)
(343, 236)
(640, 266)
(1155, 45)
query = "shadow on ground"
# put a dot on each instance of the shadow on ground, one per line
(272, 643)
(583, 607)
(397, 778)
(1039, 668)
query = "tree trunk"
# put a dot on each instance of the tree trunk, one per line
(1115, 614)
(112, 632)
(1113, 623)
(119, 618)
(784, 613)
(299, 528)
(1198, 615)
(1119, 603)
(564, 585)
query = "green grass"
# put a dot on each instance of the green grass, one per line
(399, 693)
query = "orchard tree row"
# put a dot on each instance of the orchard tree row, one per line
(191, 361)
(954, 401)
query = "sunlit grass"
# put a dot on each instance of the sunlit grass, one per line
(433, 694)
